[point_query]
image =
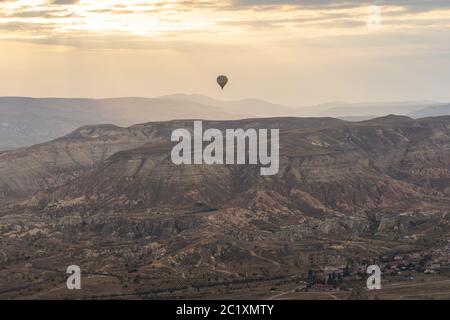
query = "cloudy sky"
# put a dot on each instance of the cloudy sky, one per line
(296, 52)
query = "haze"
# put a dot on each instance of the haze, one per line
(292, 52)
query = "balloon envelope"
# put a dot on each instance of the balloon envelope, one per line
(222, 81)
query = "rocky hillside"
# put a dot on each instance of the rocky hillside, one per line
(26, 170)
(110, 200)
(340, 167)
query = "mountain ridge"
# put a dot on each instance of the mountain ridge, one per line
(92, 147)
(25, 121)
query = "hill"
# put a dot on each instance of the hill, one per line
(109, 199)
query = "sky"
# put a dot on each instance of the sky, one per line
(294, 52)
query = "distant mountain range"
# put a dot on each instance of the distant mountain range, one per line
(433, 111)
(27, 121)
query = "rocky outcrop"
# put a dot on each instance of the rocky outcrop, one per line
(337, 169)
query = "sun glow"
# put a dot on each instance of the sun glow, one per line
(279, 49)
(202, 19)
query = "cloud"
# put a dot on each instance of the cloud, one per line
(280, 50)
(65, 1)
(410, 4)
(227, 21)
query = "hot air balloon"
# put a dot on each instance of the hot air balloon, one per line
(222, 81)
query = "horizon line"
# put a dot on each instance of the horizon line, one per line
(228, 100)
